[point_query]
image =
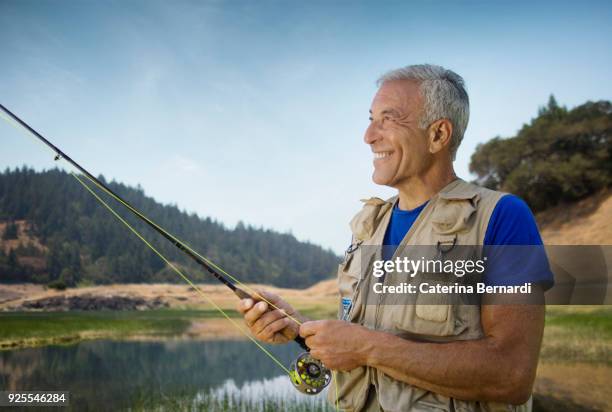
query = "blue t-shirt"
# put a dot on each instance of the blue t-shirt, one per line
(511, 223)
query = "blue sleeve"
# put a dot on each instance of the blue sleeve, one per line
(512, 223)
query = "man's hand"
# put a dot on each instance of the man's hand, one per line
(267, 323)
(338, 344)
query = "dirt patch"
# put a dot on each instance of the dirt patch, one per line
(587, 222)
(27, 297)
(573, 386)
(24, 237)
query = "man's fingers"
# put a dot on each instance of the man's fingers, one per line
(251, 316)
(266, 319)
(274, 327)
(269, 297)
(266, 315)
(308, 342)
(316, 354)
(309, 328)
(244, 305)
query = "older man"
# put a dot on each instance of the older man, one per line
(442, 357)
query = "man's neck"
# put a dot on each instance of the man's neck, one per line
(419, 189)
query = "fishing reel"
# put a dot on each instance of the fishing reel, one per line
(309, 375)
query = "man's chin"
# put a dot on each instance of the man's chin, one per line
(382, 180)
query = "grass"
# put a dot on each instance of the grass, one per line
(572, 333)
(578, 333)
(30, 329)
(319, 311)
(25, 329)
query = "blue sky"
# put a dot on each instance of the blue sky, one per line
(255, 111)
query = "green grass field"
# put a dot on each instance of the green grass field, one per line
(42, 328)
(573, 333)
(29, 329)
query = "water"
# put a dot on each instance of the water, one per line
(112, 375)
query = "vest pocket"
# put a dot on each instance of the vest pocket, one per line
(396, 396)
(431, 315)
(352, 389)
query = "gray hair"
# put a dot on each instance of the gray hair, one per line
(444, 97)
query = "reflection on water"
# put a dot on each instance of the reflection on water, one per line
(278, 390)
(275, 389)
(109, 375)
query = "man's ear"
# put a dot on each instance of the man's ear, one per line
(439, 135)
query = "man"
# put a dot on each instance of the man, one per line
(420, 357)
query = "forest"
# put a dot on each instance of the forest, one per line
(63, 236)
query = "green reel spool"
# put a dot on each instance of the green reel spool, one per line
(309, 375)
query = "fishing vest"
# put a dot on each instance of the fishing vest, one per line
(458, 215)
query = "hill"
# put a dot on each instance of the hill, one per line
(54, 231)
(586, 222)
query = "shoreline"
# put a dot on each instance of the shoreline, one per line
(132, 296)
(578, 333)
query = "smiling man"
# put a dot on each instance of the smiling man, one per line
(423, 357)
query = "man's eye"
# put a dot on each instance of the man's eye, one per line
(370, 118)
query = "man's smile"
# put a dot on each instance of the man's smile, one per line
(381, 155)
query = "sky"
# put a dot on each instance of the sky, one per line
(255, 111)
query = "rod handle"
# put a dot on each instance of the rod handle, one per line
(302, 342)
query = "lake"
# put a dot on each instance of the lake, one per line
(113, 375)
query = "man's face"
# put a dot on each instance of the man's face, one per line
(399, 146)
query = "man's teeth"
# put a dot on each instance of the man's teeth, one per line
(381, 155)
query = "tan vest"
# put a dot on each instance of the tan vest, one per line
(458, 214)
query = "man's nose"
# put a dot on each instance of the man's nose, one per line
(372, 134)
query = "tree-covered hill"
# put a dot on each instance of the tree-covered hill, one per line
(560, 156)
(52, 229)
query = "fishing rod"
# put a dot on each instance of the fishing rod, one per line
(308, 374)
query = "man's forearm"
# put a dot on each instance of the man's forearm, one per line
(469, 370)
(458, 369)
(499, 367)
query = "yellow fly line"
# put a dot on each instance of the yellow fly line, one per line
(178, 272)
(176, 269)
(158, 253)
(211, 263)
(187, 246)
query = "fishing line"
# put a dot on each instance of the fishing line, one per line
(307, 374)
(37, 137)
(178, 271)
(168, 262)
(208, 298)
(211, 263)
